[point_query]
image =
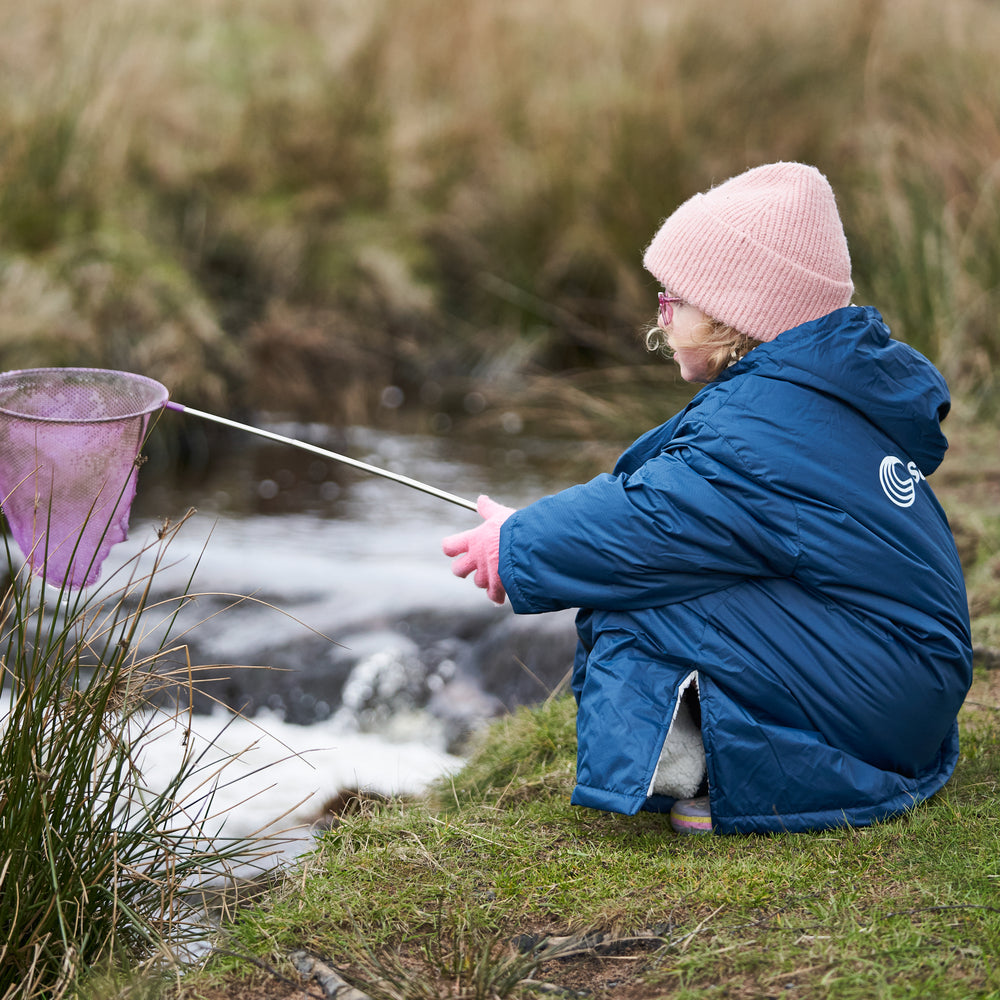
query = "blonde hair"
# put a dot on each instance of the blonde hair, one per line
(728, 345)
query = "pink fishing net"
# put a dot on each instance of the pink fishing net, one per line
(69, 439)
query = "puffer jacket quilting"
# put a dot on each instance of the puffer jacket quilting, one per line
(777, 536)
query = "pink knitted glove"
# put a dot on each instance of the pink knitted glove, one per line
(479, 549)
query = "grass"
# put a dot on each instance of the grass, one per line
(99, 871)
(968, 486)
(291, 207)
(496, 884)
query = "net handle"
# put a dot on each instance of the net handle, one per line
(334, 456)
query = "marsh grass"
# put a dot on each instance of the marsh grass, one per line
(494, 883)
(292, 206)
(99, 871)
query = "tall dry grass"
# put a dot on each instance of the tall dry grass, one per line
(292, 205)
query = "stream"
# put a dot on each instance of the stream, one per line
(363, 662)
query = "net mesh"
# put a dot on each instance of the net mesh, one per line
(69, 439)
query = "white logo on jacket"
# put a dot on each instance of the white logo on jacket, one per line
(899, 480)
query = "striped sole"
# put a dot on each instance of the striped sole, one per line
(691, 817)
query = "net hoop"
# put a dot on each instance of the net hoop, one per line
(148, 395)
(69, 449)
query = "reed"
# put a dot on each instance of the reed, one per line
(293, 206)
(99, 871)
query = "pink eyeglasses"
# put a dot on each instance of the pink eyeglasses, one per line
(667, 307)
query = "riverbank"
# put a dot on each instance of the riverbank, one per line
(360, 215)
(493, 884)
(382, 590)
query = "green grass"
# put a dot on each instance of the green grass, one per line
(99, 871)
(426, 898)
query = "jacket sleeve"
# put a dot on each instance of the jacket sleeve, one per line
(690, 521)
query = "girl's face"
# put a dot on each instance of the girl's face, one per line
(684, 338)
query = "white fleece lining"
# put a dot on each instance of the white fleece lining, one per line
(681, 765)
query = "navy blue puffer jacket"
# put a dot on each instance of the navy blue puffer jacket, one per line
(777, 539)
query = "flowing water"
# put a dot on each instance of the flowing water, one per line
(353, 599)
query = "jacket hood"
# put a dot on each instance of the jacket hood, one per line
(850, 355)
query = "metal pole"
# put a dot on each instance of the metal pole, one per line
(346, 460)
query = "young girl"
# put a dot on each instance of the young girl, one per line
(774, 632)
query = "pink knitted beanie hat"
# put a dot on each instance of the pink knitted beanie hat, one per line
(762, 252)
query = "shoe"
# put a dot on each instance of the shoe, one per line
(691, 815)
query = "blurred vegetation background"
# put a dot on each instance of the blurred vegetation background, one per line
(328, 209)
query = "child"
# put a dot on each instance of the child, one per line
(774, 632)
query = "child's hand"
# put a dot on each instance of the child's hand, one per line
(479, 549)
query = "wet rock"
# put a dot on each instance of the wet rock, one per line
(523, 659)
(459, 668)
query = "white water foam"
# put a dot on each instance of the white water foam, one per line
(263, 776)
